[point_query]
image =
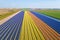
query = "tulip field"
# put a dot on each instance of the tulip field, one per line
(30, 25)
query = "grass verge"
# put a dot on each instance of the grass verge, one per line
(51, 13)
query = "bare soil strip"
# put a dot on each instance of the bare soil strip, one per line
(7, 18)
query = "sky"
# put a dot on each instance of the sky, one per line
(29, 3)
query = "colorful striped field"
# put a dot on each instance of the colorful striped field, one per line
(29, 29)
(27, 26)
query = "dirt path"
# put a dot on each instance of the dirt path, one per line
(47, 31)
(7, 18)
